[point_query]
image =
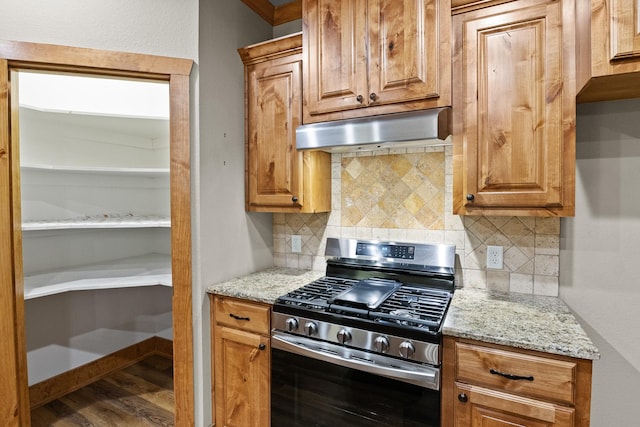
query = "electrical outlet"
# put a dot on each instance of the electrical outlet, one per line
(494, 257)
(296, 244)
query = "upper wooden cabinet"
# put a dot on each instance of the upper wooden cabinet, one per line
(514, 109)
(368, 57)
(608, 49)
(278, 178)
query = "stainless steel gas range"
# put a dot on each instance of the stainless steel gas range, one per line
(361, 346)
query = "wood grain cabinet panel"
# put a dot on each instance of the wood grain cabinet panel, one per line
(536, 376)
(242, 315)
(241, 372)
(368, 57)
(608, 50)
(491, 385)
(514, 110)
(278, 178)
(478, 406)
(625, 29)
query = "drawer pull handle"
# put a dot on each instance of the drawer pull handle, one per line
(463, 398)
(238, 317)
(511, 376)
(262, 346)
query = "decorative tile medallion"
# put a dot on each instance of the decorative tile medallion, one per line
(404, 191)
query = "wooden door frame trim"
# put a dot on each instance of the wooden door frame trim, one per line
(14, 409)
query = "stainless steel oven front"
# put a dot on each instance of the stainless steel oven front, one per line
(361, 346)
(319, 384)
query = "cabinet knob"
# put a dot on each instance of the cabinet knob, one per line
(463, 397)
(470, 197)
(294, 199)
(262, 346)
(373, 96)
(360, 98)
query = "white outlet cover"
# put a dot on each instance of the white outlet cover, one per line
(296, 243)
(494, 257)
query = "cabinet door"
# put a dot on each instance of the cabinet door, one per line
(403, 50)
(625, 29)
(514, 130)
(274, 111)
(334, 37)
(477, 406)
(242, 377)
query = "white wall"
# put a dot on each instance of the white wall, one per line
(232, 242)
(157, 27)
(599, 254)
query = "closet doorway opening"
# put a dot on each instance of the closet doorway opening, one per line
(96, 227)
(97, 182)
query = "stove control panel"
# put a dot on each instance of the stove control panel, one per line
(391, 345)
(385, 250)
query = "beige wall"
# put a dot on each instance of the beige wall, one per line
(424, 196)
(599, 254)
(228, 241)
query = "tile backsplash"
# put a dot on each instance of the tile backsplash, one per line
(406, 195)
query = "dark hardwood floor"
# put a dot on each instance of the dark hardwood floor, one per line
(140, 395)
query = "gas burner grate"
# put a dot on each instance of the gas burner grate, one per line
(317, 294)
(415, 307)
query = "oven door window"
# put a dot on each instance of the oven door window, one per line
(309, 393)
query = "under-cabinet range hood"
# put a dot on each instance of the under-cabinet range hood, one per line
(407, 129)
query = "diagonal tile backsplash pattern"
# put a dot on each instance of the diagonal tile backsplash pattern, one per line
(393, 191)
(406, 195)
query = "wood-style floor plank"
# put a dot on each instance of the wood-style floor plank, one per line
(138, 396)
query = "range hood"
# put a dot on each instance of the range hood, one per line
(407, 129)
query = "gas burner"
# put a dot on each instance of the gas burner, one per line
(402, 314)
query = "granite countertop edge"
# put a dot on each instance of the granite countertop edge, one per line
(529, 322)
(265, 286)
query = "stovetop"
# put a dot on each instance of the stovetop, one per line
(359, 302)
(387, 298)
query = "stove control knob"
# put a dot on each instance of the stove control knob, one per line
(381, 344)
(311, 328)
(407, 349)
(344, 336)
(292, 324)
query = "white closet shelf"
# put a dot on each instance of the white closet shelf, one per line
(99, 221)
(145, 270)
(150, 172)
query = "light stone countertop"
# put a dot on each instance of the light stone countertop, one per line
(525, 321)
(266, 285)
(518, 320)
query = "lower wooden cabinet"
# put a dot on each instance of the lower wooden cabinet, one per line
(241, 355)
(492, 386)
(479, 406)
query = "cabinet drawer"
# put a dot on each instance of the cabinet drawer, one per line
(547, 378)
(242, 315)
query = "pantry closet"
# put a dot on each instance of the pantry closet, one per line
(97, 219)
(95, 203)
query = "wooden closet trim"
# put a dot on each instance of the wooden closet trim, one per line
(14, 397)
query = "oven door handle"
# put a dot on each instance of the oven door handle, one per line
(420, 375)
